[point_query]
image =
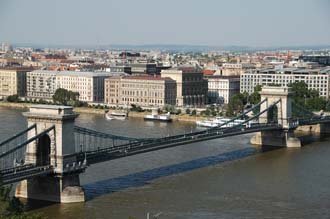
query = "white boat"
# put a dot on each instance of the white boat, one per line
(207, 123)
(218, 121)
(115, 115)
(158, 117)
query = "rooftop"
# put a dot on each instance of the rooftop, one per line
(147, 77)
(295, 70)
(17, 68)
(81, 73)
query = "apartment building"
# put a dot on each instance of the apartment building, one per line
(13, 81)
(222, 88)
(317, 79)
(141, 90)
(191, 86)
(41, 84)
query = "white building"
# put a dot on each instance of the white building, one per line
(222, 88)
(42, 84)
(317, 79)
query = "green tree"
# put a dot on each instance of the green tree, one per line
(235, 105)
(66, 97)
(13, 98)
(308, 98)
(11, 207)
(188, 111)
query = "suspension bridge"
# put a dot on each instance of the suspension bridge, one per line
(48, 156)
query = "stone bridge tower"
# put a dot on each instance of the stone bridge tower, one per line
(51, 149)
(283, 117)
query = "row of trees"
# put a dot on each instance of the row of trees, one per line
(61, 96)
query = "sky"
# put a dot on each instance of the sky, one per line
(188, 22)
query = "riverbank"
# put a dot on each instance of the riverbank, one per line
(183, 117)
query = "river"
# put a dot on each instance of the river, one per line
(223, 178)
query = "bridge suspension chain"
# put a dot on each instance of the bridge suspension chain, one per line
(14, 155)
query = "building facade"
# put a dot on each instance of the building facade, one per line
(144, 90)
(317, 79)
(41, 84)
(89, 85)
(191, 86)
(222, 88)
(13, 81)
(235, 69)
(143, 68)
(320, 59)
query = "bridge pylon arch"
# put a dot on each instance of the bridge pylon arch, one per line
(51, 149)
(282, 96)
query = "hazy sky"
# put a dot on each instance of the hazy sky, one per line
(198, 22)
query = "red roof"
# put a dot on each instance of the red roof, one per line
(208, 72)
(23, 68)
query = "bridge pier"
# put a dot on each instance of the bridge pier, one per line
(325, 129)
(63, 185)
(278, 138)
(62, 189)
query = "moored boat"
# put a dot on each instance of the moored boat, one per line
(158, 117)
(219, 121)
(116, 115)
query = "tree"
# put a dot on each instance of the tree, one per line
(13, 98)
(11, 207)
(235, 105)
(188, 111)
(308, 98)
(65, 97)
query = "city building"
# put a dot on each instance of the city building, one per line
(222, 88)
(191, 86)
(320, 59)
(235, 69)
(42, 84)
(141, 90)
(125, 69)
(89, 85)
(13, 81)
(6, 47)
(143, 68)
(317, 79)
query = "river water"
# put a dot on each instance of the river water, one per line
(223, 178)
